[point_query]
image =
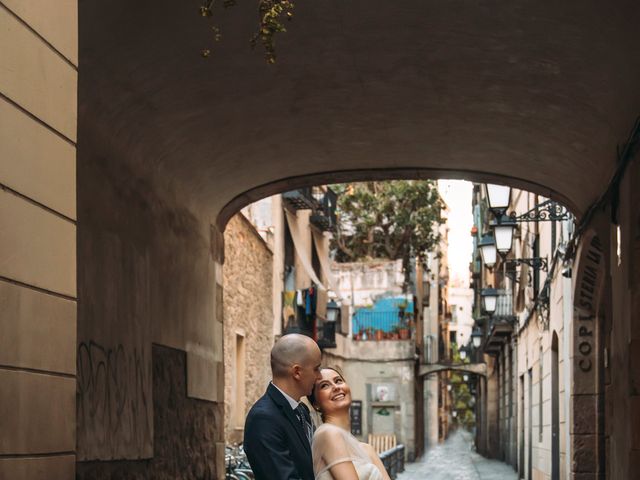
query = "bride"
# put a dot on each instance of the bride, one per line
(338, 455)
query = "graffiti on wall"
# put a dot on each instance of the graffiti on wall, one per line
(114, 404)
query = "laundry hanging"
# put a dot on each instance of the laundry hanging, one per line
(303, 253)
(322, 247)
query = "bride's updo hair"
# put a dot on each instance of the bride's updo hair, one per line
(312, 397)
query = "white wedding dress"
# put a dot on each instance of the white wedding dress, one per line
(332, 445)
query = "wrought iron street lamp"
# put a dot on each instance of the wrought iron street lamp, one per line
(503, 232)
(476, 337)
(547, 211)
(463, 353)
(487, 247)
(333, 311)
(489, 299)
(537, 263)
(499, 198)
(503, 228)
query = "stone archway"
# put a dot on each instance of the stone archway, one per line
(473, 368)
(166, 140)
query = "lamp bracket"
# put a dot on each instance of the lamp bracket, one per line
(537, 263)
(547, 211)
(542, 307)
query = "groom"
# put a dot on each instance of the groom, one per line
(278, 429)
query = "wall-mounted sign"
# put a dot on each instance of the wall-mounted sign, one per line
(356, 417)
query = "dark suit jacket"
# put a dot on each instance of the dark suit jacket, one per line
(274, 440)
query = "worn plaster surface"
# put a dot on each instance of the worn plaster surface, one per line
(538, 93)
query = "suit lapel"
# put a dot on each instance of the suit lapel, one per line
(288, 412)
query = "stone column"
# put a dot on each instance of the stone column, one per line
(585, 358)
(38, 113)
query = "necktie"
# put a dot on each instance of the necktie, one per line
(305, 420)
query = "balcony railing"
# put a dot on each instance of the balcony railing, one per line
(381, 325)
(297, 319)
(300, 199)
(501, 323)
(325, 333)
(321, 200)
(324, 216)
(393, 460)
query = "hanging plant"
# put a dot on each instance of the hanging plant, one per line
(272, 14)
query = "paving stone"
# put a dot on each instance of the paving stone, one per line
(456, 459)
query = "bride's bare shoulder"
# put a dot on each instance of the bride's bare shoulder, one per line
(329, 431)
(369, 449)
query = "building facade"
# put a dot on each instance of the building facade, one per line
(526, 395)
(377, 352)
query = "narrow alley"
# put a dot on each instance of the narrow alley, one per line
(456, 459)
(442, 195)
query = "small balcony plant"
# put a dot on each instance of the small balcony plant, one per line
(404, 327)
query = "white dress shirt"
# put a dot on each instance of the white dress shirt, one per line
(294, 403)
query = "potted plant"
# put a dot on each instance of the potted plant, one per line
(379, 335)
(368, 334)
(403, 329)
(394, 334)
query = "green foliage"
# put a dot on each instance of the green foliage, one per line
(387, 220)
(271, 15)
(461, 394)
(272, 12)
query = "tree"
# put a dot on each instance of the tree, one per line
(391, 220)
(461, 394)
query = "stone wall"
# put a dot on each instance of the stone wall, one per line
(247, 312)
(184, 435)
(148, 273)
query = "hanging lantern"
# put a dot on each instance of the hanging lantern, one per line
(488, 251)
(489, 299)
(498, 197)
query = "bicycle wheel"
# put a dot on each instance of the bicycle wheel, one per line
(242, 476)
(245, 471)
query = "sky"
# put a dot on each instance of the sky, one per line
(457, 195)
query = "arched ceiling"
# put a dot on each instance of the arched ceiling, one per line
(535, 91)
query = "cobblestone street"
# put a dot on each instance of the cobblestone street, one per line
(456, 460)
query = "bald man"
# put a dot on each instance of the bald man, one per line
(278, 430)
